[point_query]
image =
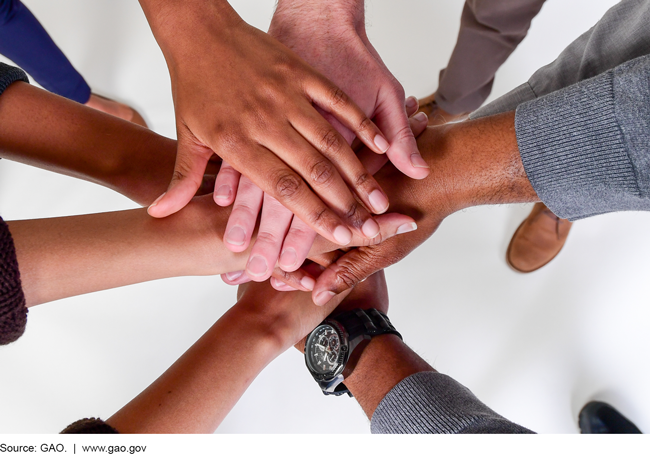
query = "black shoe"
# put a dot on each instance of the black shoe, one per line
(601, 418)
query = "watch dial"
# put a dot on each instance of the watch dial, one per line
(323, 349)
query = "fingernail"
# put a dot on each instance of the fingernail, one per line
(381, 143)
(378, 201)
(257, 266)
(421, 117)
(288, 258)
(308, 283)
(232, 276)
(236, 236)
(342, 235)
(155, 202)
(279, 283)
(324, 297)
(418, 162)
(404, 228)
(370, 228)
(411, 102)
(223, 192)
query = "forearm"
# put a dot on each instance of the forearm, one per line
(385, 362)
(68, 256)
(401, 393)
(196, 393)
(171, 21)
(47, 131)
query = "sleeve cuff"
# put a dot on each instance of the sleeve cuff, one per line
(89, 426)
(13, 311)
(433, 403)
(9, 75)
(574, 150)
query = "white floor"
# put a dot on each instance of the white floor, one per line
(534, 347)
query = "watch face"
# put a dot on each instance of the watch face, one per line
(323, 350)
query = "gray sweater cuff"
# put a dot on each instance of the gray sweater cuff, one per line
(582, 147)
(433, 403)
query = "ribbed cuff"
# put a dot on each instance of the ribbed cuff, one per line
(433, 403)
(89, 426)
(9, 75)
(574, 153)
(13, 312)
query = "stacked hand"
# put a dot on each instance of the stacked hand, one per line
(242, 95)
(324, 41)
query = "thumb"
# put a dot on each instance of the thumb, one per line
(191, 161)
(360, 263)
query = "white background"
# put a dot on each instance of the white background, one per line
(534, 347)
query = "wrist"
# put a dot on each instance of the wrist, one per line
(476, 163)
(309, 18)
(172, 20)
(385, 362)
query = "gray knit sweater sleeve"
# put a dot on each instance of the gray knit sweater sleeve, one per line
(586, 148)
(433, 403)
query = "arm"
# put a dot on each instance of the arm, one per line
(581, 150)
(402, 393)
(621, 35)
(50, 132)
(196, 393)
(489, 33)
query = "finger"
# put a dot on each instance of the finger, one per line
(280, 285)
(373, 162)
(359, 263)
(298, 280)
(411, 105)
(296, 245)
(226, 185)
(283, 183)
(191, 161)
(391, 118)
(235, 278)
(328, 142)
(243, 216)
(274, 224)
(332, 99)
(207, 186)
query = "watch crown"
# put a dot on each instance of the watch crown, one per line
(344, 348)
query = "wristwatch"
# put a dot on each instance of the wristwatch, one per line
(333, 348)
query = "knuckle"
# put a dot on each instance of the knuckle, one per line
(338, 97)
(288, 185)
(356, 215)
(266, 238)
(365, 124)
(362, 180)
(404, 134)
(330, 141)
(322, 173)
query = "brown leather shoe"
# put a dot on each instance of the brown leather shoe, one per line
(437, 115)
(537, 240)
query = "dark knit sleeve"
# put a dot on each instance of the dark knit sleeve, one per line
(13, 312)
(89, 426)
(9, 75)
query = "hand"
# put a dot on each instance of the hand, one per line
(331, 36)
(472, 163)
(284, 236)
(264, 125)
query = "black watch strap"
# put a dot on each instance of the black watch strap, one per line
(367, 323)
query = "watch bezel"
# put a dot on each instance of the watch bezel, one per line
(343, 357)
